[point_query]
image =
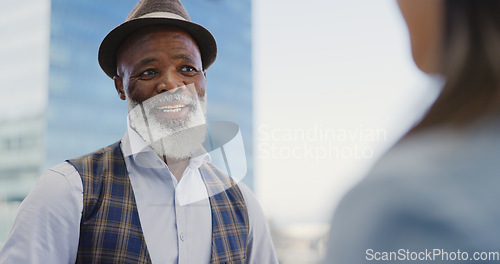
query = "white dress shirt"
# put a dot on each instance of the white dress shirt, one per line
(175, 216)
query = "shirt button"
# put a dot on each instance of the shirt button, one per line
(182, 236)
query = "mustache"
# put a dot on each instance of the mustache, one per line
(165, 98)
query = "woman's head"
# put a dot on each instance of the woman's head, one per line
(460, 40)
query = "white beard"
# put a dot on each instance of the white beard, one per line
(178, 138)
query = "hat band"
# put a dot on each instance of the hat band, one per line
(162, 15)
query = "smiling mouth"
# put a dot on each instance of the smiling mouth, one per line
(172, 108)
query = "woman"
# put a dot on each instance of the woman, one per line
(435, 195)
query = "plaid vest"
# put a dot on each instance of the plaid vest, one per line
(110, 229)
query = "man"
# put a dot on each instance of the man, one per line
(151, 197)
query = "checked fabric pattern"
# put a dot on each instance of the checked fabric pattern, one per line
(229, 217)
(110, 230)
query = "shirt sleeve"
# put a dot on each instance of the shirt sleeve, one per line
(47, 226)
(260, 244)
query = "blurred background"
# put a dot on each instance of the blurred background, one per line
(320, 89)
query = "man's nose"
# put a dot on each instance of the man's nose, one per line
(170, 83)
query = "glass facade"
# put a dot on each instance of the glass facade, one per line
(84, 112)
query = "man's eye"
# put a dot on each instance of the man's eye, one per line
(148, 73)
(188, 69)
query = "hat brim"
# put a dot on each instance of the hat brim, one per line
(111, 43)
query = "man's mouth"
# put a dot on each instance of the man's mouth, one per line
(172, 108)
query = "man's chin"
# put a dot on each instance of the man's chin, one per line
(181, 145)
(172, 130)
(168, 127)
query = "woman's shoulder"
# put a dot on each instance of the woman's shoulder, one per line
(443, 154)
(434, 189)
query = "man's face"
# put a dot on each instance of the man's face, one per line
(157, 60)
(160, 75)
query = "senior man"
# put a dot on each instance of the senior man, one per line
(152, 196)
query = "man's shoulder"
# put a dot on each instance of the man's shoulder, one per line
(63, 169)
(105, 161)
(248, 195)
(110, 148)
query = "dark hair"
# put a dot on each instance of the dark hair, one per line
(470, 64)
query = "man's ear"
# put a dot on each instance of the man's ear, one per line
(205, 73)
(119, 87)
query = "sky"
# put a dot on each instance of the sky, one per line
(335, 86)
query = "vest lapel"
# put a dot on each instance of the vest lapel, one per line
(229, 216)
(110, 230)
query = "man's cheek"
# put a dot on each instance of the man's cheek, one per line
(200, 90)
(201, 94)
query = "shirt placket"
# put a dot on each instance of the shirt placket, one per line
(181, 227)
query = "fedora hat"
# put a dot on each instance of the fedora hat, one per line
(152, 13)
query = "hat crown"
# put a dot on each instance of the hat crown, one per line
(145, 7)
(155, 13)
